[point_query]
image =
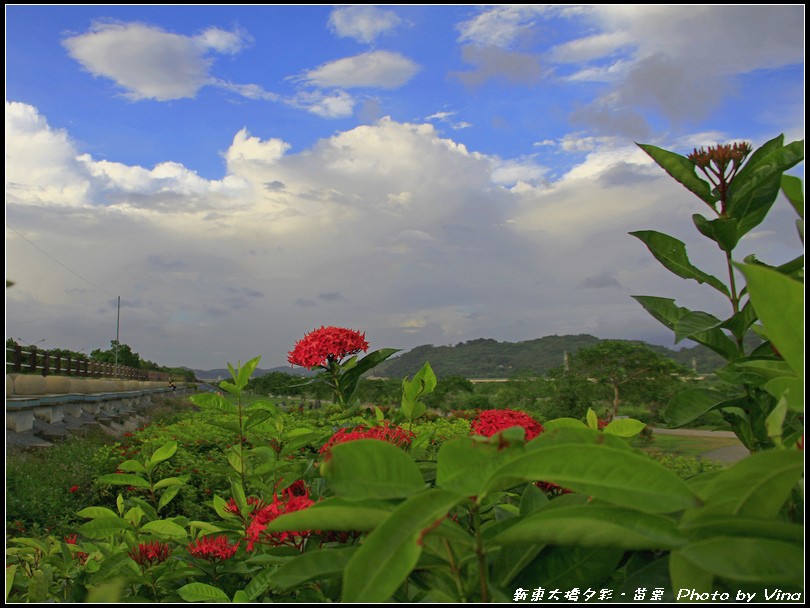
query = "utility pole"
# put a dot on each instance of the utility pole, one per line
(117, 325)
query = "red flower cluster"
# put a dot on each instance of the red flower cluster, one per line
(213, 549)
(80, 555)
(489, 422)
(327, 344)
(150, 554)
(392, 434)
(294, 498)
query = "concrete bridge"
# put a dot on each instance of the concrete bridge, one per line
(38, 420)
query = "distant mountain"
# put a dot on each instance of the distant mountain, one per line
(225, 374)
(487, 358)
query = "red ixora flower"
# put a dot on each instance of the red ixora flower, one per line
(294, 498)
(327, 344)
(73, 489)
(385, 432)
(213, 549)
(489, 422)
(149, 554)
(81, 556)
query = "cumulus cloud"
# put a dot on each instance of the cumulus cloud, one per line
(501, 26)
(363, 23)
(383, 69)
(149, 62)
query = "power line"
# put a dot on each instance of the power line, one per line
(57, 261)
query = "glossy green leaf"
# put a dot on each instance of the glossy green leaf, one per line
(465, 465)
(683, 170)
(132, 466)
(164, 452)
(200, 592)
(690, 405)
(694, 322)
(245, 371)
(166, 529)
(618, 476)
(559, 423)
(779, 303)
(686, 575)
(389, 553)
(169, 481)
(665, 310)
(369, 468)
(94, 512)
(594, 526)
(258, 417)
(311, 566)
(333, 514)
(792, 189)
(567, 568)
(593, 421)
(672, 254)
(722, 231)
(791, 388)
(760, 561)
(350, 378)
(104, 527)
(214, 400)
(627, 427)
(756, 486)
(168, 496)
(723, 525)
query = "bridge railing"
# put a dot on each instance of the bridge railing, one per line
(45, 363)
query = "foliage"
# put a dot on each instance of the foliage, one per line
(765, 400)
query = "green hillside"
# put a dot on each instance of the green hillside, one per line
(487, 358)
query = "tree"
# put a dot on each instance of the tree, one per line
(621, 365)
(125, 355)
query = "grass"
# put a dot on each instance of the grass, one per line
(688, 446)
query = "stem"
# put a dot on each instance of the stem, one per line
(479, 551)
(454, 571)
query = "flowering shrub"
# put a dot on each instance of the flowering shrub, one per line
(213, 549)
(489, 422)
(150, 554)
(384, 432)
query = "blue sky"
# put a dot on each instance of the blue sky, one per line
(241, 175)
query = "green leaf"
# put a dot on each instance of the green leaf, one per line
(132, 466)
(200, 592)
(311, 566)
(665, 310)
(779, 303)
(214, 400)
(258, 417)
(755, 188)
(687, 576)
(756, 486)
(593, 526)
(683, 170)
(723, 525)
(593, 421)
(166, 529)
(164, 452)
(721, 230)
(243, 377)
(333, 514)
(123, 479)
(792, 389)
(792, 189)
(689, 405)
(618, 476)
(760, 561)
(104, 527)
(568, 568)
(672, 254)
(389, 553)
(233, 427)
(694, 322)
(348, 380)
(369, 468)
(465, 465)
(559, 423)
(94, 512)
(625, 428)
(169, 481)
(168, 496)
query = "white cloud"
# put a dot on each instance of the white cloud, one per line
(501, 26)
(383, 69)
(363, 23)
(148, 62)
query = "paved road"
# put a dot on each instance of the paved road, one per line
(728, 454)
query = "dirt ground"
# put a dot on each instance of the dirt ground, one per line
(728, 454)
